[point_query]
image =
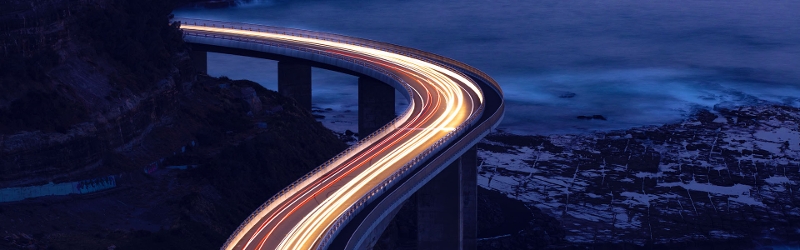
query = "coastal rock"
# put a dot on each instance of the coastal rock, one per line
(593, 117)
(567, 95)
(722, 180)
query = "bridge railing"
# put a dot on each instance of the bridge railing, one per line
(441, 61)
(327, 166)
(386, 183)
(434, 165)
(389, 47)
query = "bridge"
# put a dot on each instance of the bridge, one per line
(427, 150)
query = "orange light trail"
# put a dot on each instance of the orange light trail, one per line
(441, 100)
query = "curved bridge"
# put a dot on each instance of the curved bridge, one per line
(428, 149)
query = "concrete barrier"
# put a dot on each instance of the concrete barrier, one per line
(50, 189)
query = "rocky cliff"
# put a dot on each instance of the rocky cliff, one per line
(84, 81)
(92, 88)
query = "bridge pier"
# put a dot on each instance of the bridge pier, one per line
(375, 105)
(199, 60)
(469, 199)
(294, 81)
(447, 206)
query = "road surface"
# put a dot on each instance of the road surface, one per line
(441, 100)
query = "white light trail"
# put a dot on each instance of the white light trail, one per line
(444, 100)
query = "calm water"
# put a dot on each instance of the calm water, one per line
(635, 62)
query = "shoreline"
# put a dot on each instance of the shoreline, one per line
(724, 176)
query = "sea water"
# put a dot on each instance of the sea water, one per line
(633, 62)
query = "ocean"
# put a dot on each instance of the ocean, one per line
(633, 62)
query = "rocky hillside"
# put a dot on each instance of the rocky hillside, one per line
(84, 81)
(92, 88)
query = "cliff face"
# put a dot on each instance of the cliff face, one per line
(93, 88)
(83, 81)
(72, 60)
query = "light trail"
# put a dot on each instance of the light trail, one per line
(441, 100)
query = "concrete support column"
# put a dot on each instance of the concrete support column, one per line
(438, 211)
(294, 81)
(469, 199)
(447, 207)
(199, 60)
(375, 105)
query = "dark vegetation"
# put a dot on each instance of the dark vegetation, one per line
(122, 68)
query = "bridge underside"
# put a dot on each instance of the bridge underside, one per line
(376, 100)
(377, 215)
(447, 204)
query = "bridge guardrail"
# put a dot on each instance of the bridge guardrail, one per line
(389, 47)
(402, 172)
(417, 54)
(328, 164)
(470, 138)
